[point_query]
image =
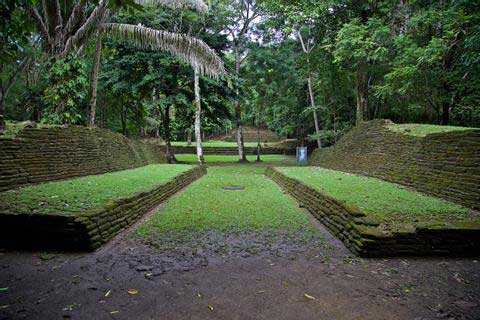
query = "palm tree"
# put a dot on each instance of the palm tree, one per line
(66, 27)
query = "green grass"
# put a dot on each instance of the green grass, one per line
(387, 202)
(205, 206)
(421, 130)
(223, 158)
(75, 195)
(214, 143)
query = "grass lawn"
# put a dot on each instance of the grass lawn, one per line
(75, 195)
(421, 130)
(205, 207)
(214, 143)
(388, 202)
(222, 158)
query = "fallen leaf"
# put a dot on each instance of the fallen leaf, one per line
(115, 311)
(210, 308)
(108, 293)
(199, 295)
(4, 306)
(3, 289)
(132, 291)
(261, 291)
(309, 296)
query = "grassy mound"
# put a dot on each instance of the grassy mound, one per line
(12, 129)
(388, 202)
(75, 195)
(422, 130)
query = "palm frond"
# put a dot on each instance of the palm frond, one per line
(197, 5)
(191, 50)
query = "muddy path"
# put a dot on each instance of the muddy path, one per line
(262, 286)
(226, 279)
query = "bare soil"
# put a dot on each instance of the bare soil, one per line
(128, 279)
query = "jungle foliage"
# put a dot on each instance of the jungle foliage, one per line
(409, 61)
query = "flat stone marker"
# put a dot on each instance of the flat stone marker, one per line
(234, 188)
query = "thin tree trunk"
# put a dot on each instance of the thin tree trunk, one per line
(94, 80)
(238, 113)
(123, 116)
(360, 95)
(259, 147)
(189, 137)
(445, 113)
(198, 114)
(170, 154)
(2, 112)
(315, 118)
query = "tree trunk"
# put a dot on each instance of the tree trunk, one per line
(170, 154)
(2, 112)
(94, 81)
(315, 118)
(361, 95)
(123, 116)
(259, 147)
(198, 113)
(445, 113)
(189, 137)
(238, 113)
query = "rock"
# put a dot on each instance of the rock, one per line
(29, 124)
(143, 268)
(465, 304)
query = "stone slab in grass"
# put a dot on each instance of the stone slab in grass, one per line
(209, 218)
(84, 213)
(376, 218)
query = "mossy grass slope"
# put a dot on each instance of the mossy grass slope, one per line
(387, 202)
(422, 130)
(76, 195)
(12, 129)
(206, 206)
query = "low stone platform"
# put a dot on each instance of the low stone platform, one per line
(91, 228)
(362, 235)
(228, 151)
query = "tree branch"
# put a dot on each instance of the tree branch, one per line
(94, 19)
(40, 23)
(77, 12)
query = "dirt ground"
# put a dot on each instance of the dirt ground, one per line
(234, 277)
(130, 280)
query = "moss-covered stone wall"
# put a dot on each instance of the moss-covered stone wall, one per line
(228, 151)
(92, 228)
(445, 165)
(39, 155)
(363, 236)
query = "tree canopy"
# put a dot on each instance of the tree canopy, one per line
(287, 63)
